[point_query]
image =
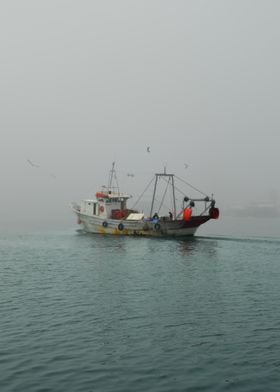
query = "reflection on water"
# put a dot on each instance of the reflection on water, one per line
(199, 244)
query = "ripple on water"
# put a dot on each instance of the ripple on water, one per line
(93, 313)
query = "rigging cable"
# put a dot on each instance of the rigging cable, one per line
(177, 189)
(139, 198)
(163, 197)
(191, 186)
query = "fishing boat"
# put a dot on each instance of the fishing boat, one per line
(108, 212)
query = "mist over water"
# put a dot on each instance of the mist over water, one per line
(246, 227)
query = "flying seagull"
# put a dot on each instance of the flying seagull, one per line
(186, 165)
(148, 149)
(130, 175)
(32, 164)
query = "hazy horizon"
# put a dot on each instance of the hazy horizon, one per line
(85, 84)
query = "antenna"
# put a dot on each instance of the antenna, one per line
(112, 177)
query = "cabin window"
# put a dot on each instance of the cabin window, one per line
(94, 208)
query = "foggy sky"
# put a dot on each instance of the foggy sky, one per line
(84, 83)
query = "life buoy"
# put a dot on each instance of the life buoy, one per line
(105, 224)
(214, 213)
(120, 226)
(101, 209)
(157, 226)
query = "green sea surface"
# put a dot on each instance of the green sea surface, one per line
(81, 312)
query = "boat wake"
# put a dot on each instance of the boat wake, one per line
(240, 239)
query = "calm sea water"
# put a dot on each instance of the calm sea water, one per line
(91, 313)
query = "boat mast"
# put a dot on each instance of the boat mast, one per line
(173, 193)
(154, 194)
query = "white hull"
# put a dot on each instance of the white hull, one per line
(139, 228)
